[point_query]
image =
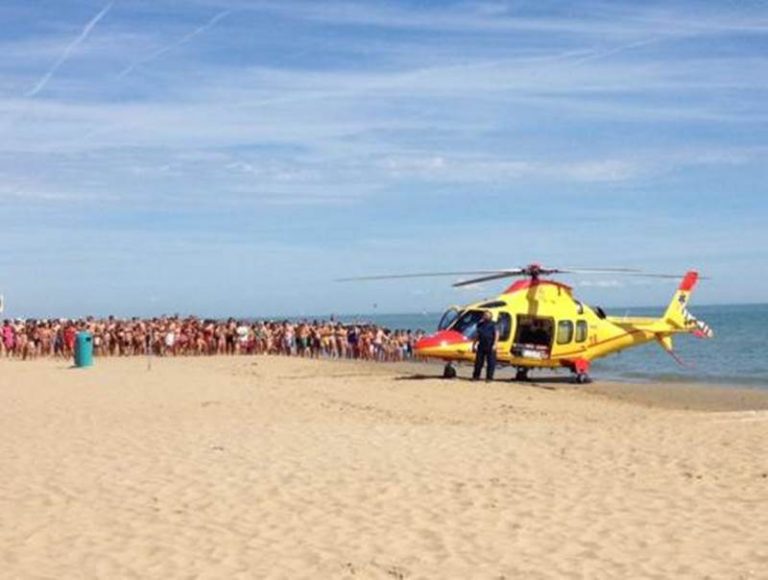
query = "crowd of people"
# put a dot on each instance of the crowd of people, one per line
(176, 336)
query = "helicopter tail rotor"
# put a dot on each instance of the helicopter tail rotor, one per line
(677, 313)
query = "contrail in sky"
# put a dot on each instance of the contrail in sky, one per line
(183, 40)
(67, 51)
(597, 55)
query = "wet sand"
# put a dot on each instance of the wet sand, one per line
(277, 468)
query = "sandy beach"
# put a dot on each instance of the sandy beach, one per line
(264, 467)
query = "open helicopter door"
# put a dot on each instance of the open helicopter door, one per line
(533, 338)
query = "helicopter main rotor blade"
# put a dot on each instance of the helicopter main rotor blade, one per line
(538, 271)
(631, 273)
(665, 276)
(533, 270)
(420, 275)
(488, 278)
(597, 271)
(621, 271)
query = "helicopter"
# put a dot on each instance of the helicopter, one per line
(542, 325)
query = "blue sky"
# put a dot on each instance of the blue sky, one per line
(232, 156)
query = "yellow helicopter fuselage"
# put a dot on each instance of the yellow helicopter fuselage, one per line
(542, 325)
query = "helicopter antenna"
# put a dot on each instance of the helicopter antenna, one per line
(679, 360)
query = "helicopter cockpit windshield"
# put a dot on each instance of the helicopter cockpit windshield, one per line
(449, 318)
(467, 323)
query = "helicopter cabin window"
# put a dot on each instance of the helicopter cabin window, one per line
(467, 323)
(581, 330)
(534, 330)
(564, 331)
(504, 325)
(600, 312)
(448, 318)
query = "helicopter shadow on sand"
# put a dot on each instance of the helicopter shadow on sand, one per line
(547, 383)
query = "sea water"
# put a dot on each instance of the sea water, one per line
(737, 355)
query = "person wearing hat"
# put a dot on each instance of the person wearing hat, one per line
(485, 347)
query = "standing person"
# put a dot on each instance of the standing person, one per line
(58, 339)
(485, 347)
(170, 340)
(69, 339)
(243, 335)
(378, 344)
(352, 341)
(289, 338)
(9, 338)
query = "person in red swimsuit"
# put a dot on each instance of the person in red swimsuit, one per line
(69, 339)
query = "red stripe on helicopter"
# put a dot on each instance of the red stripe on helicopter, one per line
(442, 338)
(526, 284)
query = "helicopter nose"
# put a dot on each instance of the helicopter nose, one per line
(437, 342)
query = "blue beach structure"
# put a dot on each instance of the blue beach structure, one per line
(83, 349)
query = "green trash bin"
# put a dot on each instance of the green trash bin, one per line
(83, 349)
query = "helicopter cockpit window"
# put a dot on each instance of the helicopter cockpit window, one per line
(504, 325)
(467, 323)
(564, 331)
(448, 318)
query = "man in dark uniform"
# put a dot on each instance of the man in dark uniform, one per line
(485, 347)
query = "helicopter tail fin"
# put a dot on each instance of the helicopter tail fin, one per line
(677, 315)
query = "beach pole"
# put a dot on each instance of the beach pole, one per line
(148, 342)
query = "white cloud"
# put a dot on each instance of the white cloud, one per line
(613, 283)
(601, 170)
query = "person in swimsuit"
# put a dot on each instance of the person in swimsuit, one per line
(8, 338)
